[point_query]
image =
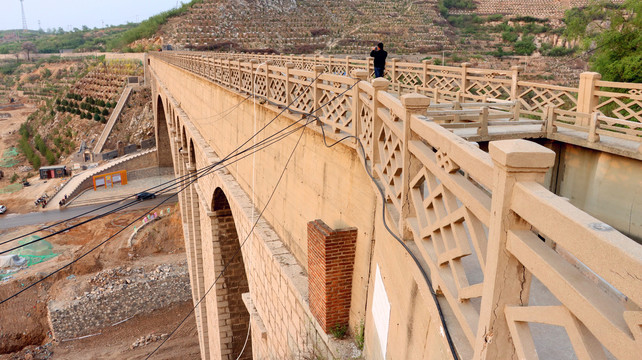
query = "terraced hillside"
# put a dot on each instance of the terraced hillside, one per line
(306, 26)
(540, 8)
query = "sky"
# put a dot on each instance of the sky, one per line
(68, 14)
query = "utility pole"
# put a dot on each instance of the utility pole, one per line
(24, 18)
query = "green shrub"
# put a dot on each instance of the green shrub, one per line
(560, 51)
(526, 46)
(509, 36)
(14, 178)
(339, 331)
(359, 335)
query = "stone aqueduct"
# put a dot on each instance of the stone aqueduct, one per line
(507, 260)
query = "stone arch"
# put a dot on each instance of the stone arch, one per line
(226, 309)
(163, 145)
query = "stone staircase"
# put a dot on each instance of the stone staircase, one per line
(98, 148)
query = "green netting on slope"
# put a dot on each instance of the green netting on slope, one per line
(35, 253)
(9, 158)
(9, 189)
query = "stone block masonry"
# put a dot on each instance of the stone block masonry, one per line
(330, 264)
(118, 294)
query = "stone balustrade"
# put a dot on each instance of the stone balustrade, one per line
(616, 107)
(486, 229)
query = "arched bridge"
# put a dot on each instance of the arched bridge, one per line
(369, 214)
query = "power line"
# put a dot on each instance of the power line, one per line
(269, 140)
(312, 118)
(238, 251)
(222, 114)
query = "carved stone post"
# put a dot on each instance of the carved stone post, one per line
(318, 70)
(267, 79)
(379, 84)
(288, 84)
(362, 75)
(413, 104)
(463, 86)
(368, 67)
(587, 100)
(348, 67)
(514, 88)
(253, 63)
(551, 117)
(393, 76)
(506, 281)
(425, 76)
(593, 136)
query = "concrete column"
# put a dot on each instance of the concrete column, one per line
(506, 280)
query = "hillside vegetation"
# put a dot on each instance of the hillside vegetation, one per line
(52, 41)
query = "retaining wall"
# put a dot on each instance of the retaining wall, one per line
(118, 295)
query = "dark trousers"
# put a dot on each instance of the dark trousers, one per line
(379, 72)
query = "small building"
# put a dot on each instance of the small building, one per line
(55, 171)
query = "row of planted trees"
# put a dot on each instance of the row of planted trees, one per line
(87, 108)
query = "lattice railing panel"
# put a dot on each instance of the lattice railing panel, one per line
(277, 91)
(450, 84)
(246, 81)
(260, 84)
(624, 108)
(390, 165)
(534, 100)
(303, 96)
(489, 89)
(409, 79)
(450, 234)
(336, 110)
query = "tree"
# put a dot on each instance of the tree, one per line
(29, 47)
(613, 34)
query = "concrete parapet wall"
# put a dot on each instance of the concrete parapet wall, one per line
(118, 295)
(140, 162)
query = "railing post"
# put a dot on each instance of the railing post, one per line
(463, 87)
(368, 68)
(288, 84)
(483, 127)
(393, 75)
(425, 74)
(318, 70)
(413, 104)
(267, 79)
(253, 63)
(348, 69)
(551, 117)
(587, 100)
(506, 280)
(593, 136)
(379, 84)
(362, 75)
(514, 87)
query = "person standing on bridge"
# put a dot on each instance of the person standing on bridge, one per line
(379, 55)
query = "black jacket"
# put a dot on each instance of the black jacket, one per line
(379, 58)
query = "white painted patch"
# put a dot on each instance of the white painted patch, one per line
(381, 311)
